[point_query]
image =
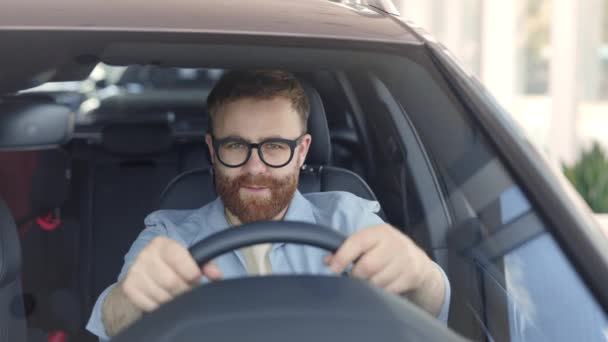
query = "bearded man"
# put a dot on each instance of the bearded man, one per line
(258, 142)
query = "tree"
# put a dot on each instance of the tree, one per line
(590, 177)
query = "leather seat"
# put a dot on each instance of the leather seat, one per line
(41, 255)
(195, 188)
(118, 184)
(12, 312)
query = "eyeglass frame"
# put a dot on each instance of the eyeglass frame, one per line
(250, 146)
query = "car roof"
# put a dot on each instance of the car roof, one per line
(309, 18)
(63, 40)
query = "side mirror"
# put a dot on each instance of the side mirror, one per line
(34, 123)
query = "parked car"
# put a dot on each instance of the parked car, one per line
(398, 119)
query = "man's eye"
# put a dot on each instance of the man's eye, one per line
(234, 145)
(273, 146)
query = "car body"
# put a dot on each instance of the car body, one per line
(524, 256)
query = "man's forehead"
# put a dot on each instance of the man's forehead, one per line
(258, 119)
(257, 138)
(250, 104)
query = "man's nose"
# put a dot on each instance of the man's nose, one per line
(254, 165)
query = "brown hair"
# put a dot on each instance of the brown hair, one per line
(261, 85)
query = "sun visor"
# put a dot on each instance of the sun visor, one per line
(32, 122)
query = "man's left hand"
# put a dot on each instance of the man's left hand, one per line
(389, 259)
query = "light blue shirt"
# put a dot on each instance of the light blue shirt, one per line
(342, 211)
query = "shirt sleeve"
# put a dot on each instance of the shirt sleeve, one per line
(152, 230)
(445, 308)
(95, 324)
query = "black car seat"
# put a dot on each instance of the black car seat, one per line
(49, 247)
(36, 188)
(118, 182)
(195, 188)
(12, 317)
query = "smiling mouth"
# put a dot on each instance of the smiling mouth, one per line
(254, 188)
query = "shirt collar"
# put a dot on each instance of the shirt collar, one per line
(300, 209)
(213, 219)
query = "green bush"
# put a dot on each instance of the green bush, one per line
(590, 177)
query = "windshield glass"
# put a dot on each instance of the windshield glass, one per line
(393, 143)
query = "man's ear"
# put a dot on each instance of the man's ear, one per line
(209, 142)
(304, 147)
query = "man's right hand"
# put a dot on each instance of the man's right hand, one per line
(163, 270)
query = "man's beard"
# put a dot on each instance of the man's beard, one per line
(252, 208)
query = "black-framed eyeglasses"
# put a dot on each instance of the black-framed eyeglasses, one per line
(274, 152)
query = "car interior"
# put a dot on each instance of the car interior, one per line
(79, 207)
(396, 133)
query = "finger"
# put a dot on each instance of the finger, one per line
(371, 262)
(211, 271)
(170, 280)
(398, 286)
(143, 293)
(180, 261)
(327, 259)
(153, 290)
(353, 248)
(387, 275)
(140, 300)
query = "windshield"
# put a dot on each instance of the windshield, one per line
(395, 134)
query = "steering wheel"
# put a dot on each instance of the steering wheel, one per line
(297, 308)
(266, 232)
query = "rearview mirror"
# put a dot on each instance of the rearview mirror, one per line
(33, 123)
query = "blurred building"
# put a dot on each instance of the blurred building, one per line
(546, 61)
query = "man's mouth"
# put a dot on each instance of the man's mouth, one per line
(254, 188)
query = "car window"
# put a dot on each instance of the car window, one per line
(532, 292)
(511, 280)
(153, 77)
(544, 292)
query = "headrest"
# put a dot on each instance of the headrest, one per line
(320, 148)
(195, 156)
(50, 182)
(33, 122)
(189, 190)
(10, 251)
(136, 139)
